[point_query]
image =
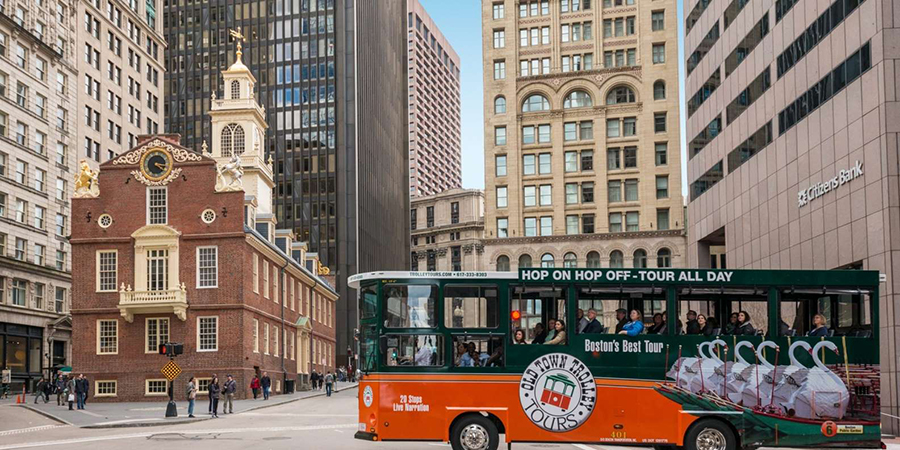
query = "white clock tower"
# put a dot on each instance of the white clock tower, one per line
(238, 129)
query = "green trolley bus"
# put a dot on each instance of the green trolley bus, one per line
(699, 359)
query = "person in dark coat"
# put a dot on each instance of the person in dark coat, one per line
(214, 377)
(659, 325)
(820, 329)
(266, 384)
(745, 327)
(621, 319)
(214, 391)
(593, 326)
(693, 325)
(81, 390)
(540, 335)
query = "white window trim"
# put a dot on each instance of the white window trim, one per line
(203, 392)
(147, 334)
(256, 333)
(255, 273)
(198, 267)
(97, 275)
(266, 348)
(147, 211)
(98, 337)
(97, 388)
(198, 334)
(147, 392)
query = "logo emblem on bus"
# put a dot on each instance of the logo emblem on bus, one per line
(368, 396)
(557, 392)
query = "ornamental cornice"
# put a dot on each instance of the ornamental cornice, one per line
(557, 80)
(621, 42)
(627, 235)
(179, 154)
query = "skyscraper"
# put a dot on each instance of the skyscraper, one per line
(434, 107)
(582, 161)
(792, 144)
(333, 82)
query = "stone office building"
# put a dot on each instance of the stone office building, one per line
(447, 230)
(582, 153)
(792, 126)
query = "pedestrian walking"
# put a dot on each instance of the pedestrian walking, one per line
(266, 383)
(39, 390)
(214, 391)
(191, 396)
(254, 385)
(329, 382)
(70, 390)
(228, 392)
(314, 380)
(60, 388)
(210, 396)
(48, 389)
(81, 390)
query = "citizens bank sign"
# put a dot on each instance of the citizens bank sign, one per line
(817, 190)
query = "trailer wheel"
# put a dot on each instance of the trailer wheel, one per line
(474, 432)
(710, 434)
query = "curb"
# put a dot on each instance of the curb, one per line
(46, 414)
(159, 423)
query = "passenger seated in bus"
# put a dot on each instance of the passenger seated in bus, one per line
(580, 321)
(820, 328)
(470, 357)
(594, 326)
(519, 337)
(659, 325)
(705, 327)
(635, 326)
(732, 325)
(461, 350)
(692, 326)
(496, 358)
(539, 334)
(620, 319)
(745, 327)
(560, 338)
(551, 330)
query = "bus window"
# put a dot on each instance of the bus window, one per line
(611, 306)
(409, 306)
(471, 307)
(414, 350)
(534, 310)
(478, 351)
(718, 311)
(367, 347)
(367, 300)
(842, 312)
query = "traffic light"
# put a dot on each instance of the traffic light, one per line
(171, 349)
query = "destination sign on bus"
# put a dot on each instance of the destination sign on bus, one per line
(660, 275)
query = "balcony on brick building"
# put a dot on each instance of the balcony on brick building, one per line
(171, 301)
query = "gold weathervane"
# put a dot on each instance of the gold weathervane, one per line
(239, 37)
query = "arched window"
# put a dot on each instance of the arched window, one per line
(664, 258)
(503, 263)
(593, 260)
(235, 89)
(578, 99)
(500, 105)
(616, 260)
(659, 90)
(570, 261)
(621, 94)
(232, 140)
(547, 261)
(640, 259)
(536, 102)
(525, 261)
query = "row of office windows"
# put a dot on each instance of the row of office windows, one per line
(570, 260)
(583, 224)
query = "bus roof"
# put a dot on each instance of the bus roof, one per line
(849, 278)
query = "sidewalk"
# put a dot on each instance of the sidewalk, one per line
(121, 415)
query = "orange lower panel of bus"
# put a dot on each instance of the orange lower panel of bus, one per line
(424, 407)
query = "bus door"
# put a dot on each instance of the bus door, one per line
(533, 312)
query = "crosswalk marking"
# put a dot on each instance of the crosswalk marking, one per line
(29, 430)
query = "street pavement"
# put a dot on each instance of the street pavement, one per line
(316, 423)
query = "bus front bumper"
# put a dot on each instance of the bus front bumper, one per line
(365, 436)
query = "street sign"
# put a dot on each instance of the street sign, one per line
(171, 370)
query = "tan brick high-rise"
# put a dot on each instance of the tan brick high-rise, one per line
(582, 159)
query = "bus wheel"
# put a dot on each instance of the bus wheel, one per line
(710, 434)
(474, 432)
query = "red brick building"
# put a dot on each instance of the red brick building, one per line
(181, 246)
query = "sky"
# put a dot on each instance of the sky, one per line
(460, 22)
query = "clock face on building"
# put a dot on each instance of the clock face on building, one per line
(156, 164)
